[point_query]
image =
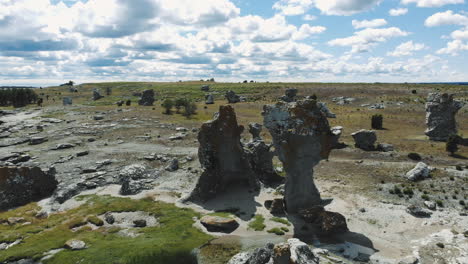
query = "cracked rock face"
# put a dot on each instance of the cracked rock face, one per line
(22, 185)
(147, 98)
(364, 139)
(440, 116)
(222, 156)
(302, 137)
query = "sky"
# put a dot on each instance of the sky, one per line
(48, 42)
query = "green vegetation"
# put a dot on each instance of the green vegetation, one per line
(258, 223)
(285, 229)
(280, 220)
(170, 242)
(425, 197)
(167, 104)
(95, 220)
(439, 203)
(276, 231)
(17, 97)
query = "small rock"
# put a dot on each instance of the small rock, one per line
(430, 205)
(385, 147)
(109, 218)
(98, 117)
(414, 156)
(63, 146)
(75, 244)
(420, 172)
(139, 223)
(37, 140)
(173, 165)
(418, 211)
(16, 220)
(82, 153)
(441, 245)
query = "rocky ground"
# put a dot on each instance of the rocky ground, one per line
(139, 153)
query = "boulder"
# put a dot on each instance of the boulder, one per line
(364, 139)
(232, 97)
(209, 99)
(173, 165)
(96, 95)
(22, 185)
(67, 101)
(219, 224)
(109, 217)
(430, 205)
(440, 116)
(328, 222)
(420, 172)
(205, 88)
(119, 103)
(277, 206)
(418, 211)
(289, 95)
(139, 223)
(222, 156)
(336, 134)
(75, 244)
(414, 156)
(302, 137)
(131, 187)
(37, 140)
(147, 98)
(385, 147)
(134, 172)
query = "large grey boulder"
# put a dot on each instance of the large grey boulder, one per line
(209, 99)
(364, 139)
(96, 95)
(232, 97)
(420, 172)
(302, 137)
(67, 101)
(289, 95)
(222, 156)
(440, 116)
(22, 185)
(147, 98)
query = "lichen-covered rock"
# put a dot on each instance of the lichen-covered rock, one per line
(420, 172)
(440, 116)
(327, 222)
(302, 137)
(96, 95)
(289, 95)
(222, 156)
(301, 252)
(232, 97)
(147, 98)
(22, 185)
(219, 224)
(134, 171)
(364, 139)
(209, 99)
(131, 187)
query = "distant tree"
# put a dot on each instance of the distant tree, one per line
(314, 97)
(245, 81)
(108, 91)
(190, 108)
(128, 103)
(377, 121)
(179, 103)
(451, 145)
(212, 80)
(168, 104)
(251, 81)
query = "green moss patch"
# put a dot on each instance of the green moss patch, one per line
(258, 223)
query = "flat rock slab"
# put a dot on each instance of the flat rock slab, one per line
(219, 224)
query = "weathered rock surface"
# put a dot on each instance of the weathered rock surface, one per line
(255, 129)
(96, 95)
(219, 224)
(67, 101)
(147, 98)
(37, 140)
(327, 222)
(209, 99)
(420, 172)
(21, 185)
(289, 95)
(440, 116)
(173, 165)
(302, 137)
(323, 107)
(232, 97)
(222, 156)
(418, 211)
(336, 134)
(293, 251)
(364, 139)
(385, 147)
(75, 244)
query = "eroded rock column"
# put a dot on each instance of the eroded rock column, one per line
(222, 156)
(440, 116)
(302, 137)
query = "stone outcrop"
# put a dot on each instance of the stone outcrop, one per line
(420, 172)
(302, 137)
(232, 97)
(219, 224)
(209, 99)
(260, 157)
(336, 134)
(440, 116)
(96, 95)
(289, 95)
(323, 107)
(147, 98)
(67, 101)
(22, 185)
(364, 139)
(222, 156)
(205, 88)
(293, 251)
(327, 222)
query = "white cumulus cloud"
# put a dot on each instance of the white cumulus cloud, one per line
(327, 7)
(369, 23)
(406, 49)
(398, 11)
(432, 3)
(446, 18)
(454, 47)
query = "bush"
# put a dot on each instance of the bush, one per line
(451, 145)
(440, 203)
(377, 121)
(17, 97)
(167, 104)
(179, 103)
(425, 197)
(190, 108)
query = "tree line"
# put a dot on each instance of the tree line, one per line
(17, 97)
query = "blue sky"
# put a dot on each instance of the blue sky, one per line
(47, 42)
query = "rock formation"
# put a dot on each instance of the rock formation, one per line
(420, 172)
(364, 139)
(67, 101)
(205, 88)
(147, 98)
(302, 137)
(293, 251)
(96, 95)
(209, 99)
(289, 95)
(336, 133)
(323, 107)
(440, 116)
(328, 223)
(260, 157)
(22, 185)
(222, 156)
(232, 97)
